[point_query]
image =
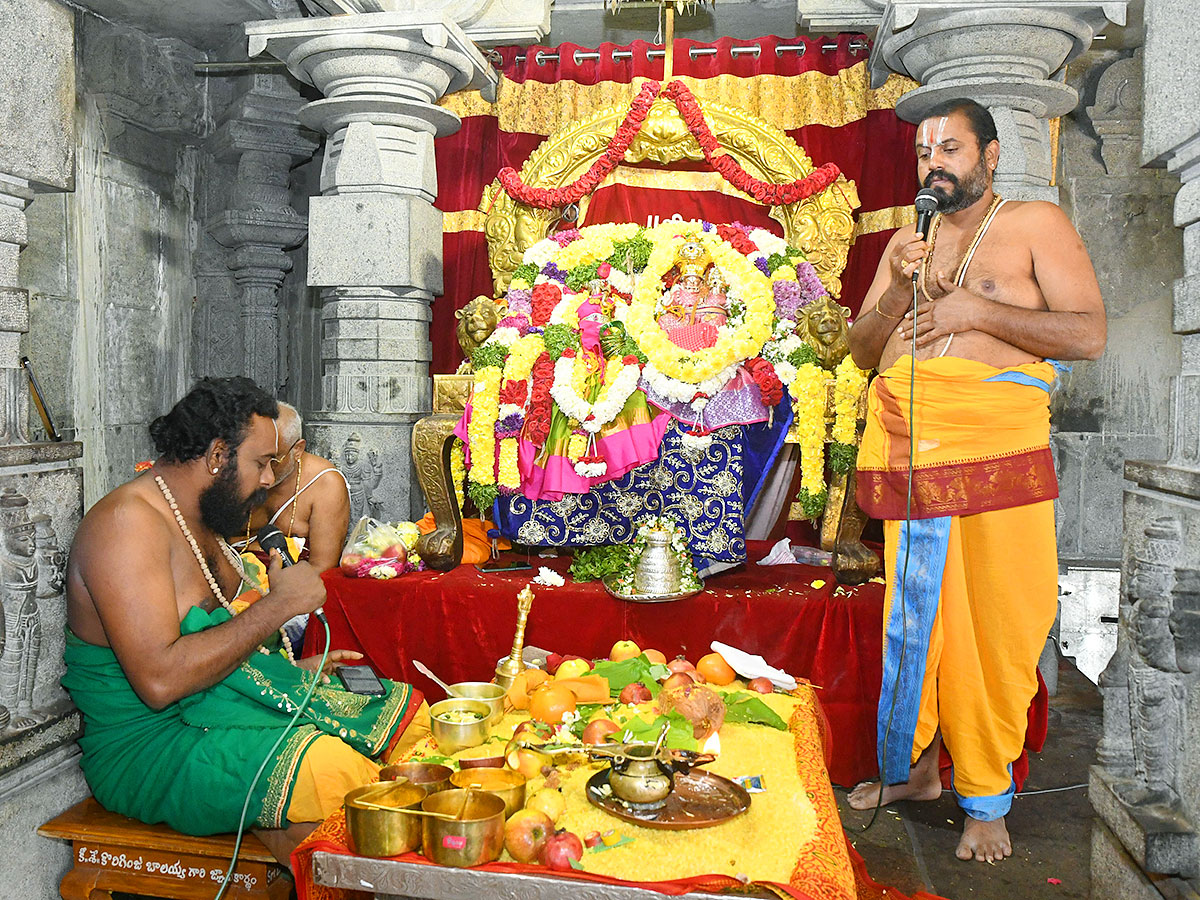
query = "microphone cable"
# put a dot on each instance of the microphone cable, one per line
(912, 430)
(237, 845)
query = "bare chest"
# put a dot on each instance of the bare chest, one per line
(1000, 267)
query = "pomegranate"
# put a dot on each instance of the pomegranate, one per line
(560, 848)
(634, 693)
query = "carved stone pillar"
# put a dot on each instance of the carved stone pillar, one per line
(375, 238)
(261, 133)
(1005, 56)
(15, 194)
(839, 15)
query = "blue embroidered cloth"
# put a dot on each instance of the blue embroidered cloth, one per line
(708, 492)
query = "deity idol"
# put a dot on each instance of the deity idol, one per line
(715, 307)
(22, 619)
(687, 297)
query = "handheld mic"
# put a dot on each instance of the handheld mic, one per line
(926, 203)
(271, 538)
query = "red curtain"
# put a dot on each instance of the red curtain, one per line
(827, 83)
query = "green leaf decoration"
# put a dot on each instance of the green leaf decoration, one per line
(801, 355)
(680, 734)
(578, 277)
(557, 338)
(624, 673)
(842, 456)
(483, 496)
(527, 272)
(596, 563)
(745, 707)
(489, 355)
(631, 254)
(812, 504)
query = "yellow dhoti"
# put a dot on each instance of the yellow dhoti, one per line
(971, 562)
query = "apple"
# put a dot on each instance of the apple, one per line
(548, 801)
(762, 684)
(634, 693)
(396, 551)
(680, 664)
(596, 732)
(678, 680)
(528, 762)
(526, 833)
(624, 650)
(560, 848)
(572, 667)
(593, 839)
(350, 563)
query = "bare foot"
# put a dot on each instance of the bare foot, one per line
(920, 786)
(985, 841)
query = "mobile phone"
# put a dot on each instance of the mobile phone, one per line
(503, 565)
(360, 680)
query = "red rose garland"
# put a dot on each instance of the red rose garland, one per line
(768, 382)
(537, 420)
(544, 298)
(677, 92)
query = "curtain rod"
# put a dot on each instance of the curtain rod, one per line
(541, 57)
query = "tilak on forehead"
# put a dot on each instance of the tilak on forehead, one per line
(933, 132)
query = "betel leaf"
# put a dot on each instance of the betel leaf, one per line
(744, 707)
(624, 673)
(680, 734)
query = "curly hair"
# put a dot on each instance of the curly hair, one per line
(213, 408)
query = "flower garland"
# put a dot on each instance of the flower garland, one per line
(620, 381)
(481, 435)
(733, 344)
(693, 117)
(809, 425)
(849, 381)
(458, 472)
(689, 578)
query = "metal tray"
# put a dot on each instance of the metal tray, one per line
(699, 799)
(648, 598)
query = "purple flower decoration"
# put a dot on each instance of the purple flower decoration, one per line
(762, 265)
(519, 322)
(550, 270)
(810, 285)
(787, 299)
(706, 226)
(519, 302)
(510, 426)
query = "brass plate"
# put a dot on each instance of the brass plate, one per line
(648, 598)
(699, 799)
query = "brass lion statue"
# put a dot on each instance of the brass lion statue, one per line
(823, 327)
(476, 322)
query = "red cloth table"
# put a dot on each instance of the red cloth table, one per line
(459, 623)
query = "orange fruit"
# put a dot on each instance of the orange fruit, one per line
(713, 667)
(656, 656)
(524, 683)
(550, 702)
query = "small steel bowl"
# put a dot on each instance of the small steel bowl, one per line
(485, 692)
(430, 776)
(454, 736)
(384, 832)
(506, 784)
(474, 837)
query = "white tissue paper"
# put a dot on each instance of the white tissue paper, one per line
(781, 555)
(753, 666)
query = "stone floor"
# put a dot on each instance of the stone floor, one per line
(911, 845)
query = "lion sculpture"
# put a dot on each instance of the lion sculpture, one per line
(476, 322)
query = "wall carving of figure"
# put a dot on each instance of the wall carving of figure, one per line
(19, 582)
(476, 322)
(1185, 620)
(362, 476)
(825, 329)
(1156, 707)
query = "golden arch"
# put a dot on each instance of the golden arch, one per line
(822, 225)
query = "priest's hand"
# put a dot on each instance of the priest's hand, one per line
(335, 660)
(956, 312)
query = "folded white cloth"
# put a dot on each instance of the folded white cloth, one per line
(753, 666)
(781, 555)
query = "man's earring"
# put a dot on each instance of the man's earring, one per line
(215, 471)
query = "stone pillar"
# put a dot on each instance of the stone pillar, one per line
(1006, 56)
(1146, 841)
(261, 133)
(375, 238)
(835, 16)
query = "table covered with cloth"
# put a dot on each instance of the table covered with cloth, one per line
(459, 623)
(790, 841)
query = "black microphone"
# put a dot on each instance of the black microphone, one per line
(271, 538)
(926, 203)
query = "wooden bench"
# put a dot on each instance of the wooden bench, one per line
(115, 853)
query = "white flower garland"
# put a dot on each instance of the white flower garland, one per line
(611, 400)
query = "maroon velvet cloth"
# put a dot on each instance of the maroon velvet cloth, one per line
(460, 623)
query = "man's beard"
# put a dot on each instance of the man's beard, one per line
(221, 509)
(965, 193)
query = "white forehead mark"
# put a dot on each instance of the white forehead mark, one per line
(933, 131)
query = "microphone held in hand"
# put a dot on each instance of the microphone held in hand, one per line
(271, 538)
(926, 203)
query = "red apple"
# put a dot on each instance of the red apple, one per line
(634, 693)
(679, 679)
(350, 563)
(397, 552)
(596, 732)
(525, 833)
(560, 848)
(762, 684)
(680, 664)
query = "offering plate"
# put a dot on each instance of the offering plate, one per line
(698, 799)
(610, 586)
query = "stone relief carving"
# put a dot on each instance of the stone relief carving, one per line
(1117, 116)
(362, 476)
(32, 565)
(1185, 620)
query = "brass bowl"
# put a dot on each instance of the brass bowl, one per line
(485, 692)
(454, 736)
(474, 837)
(430, 776)
(506, 784)
(384, 832)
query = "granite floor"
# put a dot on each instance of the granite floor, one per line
(911, 845)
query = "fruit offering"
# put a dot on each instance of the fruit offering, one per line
(381, 549)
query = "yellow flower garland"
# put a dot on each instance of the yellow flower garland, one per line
(521, 357)
(458, 471)
(808, 406)
(594, 243)
(848, 386)
(510, 475)
(481, 430)
(752, 286)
